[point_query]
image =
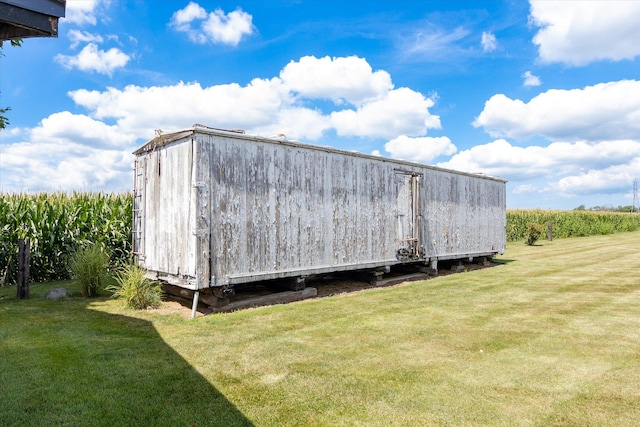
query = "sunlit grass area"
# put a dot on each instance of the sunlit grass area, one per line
(550, 337)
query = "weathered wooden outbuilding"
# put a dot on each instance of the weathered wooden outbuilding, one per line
(214, 208)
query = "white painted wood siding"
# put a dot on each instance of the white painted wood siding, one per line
(222, 208)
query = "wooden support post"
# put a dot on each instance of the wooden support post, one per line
(296, 283)
(194, 306)
(376, 276)
(372, 276)
(458, 268)
(189, 295)
(434, 265)
(549, 231)
(24, 259)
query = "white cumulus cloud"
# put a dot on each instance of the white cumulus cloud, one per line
(271, 106)
(295, 123)
(530, 79)
(616, 178)
(81, 12)
(216, 26)
(77, 37)
(420, 149)
(67, 128)
(142, 109)
(182, 19)
(570, 167)
(489, 42)
(93, 59)
(603, 111)
(400, 112)
(68, 151)
(579, 32)
(349, 79)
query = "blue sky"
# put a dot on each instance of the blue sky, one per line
(544, 94)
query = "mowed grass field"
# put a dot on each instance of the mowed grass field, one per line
(550, 337)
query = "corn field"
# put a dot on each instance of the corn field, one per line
(57, 225)
(570, 223)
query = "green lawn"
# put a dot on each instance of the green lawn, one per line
(552, 337)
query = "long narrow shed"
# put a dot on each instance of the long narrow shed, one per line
(214, 208)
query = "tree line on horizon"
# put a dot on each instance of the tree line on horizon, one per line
(628, 208)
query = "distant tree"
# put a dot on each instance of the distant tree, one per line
(4, 121)
(603, 208)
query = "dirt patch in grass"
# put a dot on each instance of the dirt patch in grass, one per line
(173, 306)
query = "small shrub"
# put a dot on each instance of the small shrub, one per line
(135, 289)
(534, 231)
(89, 267)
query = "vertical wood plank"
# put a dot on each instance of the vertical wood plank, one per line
(203, 212)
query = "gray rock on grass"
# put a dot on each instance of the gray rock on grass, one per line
(57, 293)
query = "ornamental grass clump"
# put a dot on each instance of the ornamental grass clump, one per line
(137, 291)
(89, 267)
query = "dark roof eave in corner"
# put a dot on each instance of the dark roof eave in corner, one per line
(30, 18)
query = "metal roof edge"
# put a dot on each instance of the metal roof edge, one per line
(165, 139)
